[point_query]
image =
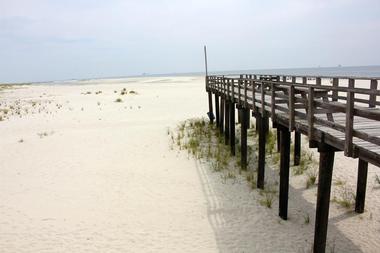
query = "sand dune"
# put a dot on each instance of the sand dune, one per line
(80, 172)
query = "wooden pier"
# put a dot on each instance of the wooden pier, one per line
(335, 113)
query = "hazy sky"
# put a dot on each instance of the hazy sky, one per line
(63, 39)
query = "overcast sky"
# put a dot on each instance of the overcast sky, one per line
(62, 39)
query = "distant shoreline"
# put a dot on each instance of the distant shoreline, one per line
(361, 71)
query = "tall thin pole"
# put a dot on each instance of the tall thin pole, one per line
(205, 51)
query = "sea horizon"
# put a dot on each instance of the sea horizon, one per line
(370, 71)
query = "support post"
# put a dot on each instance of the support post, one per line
(210, 110)
(297, 148)
(278, 140)
(244, 114)
(361, 186)
(217, 110)
(226, 121)
(263, 127)
(326, 163)
(221, 124)
(284, 171)
(232, 127)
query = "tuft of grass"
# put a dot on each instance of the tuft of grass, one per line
(306, 218)
(339, 182)
(133, 92)
(21, 140)
(271, 142)
(118, 100)
(267, 200)
(123, 92)
(311, 178)
(345, 197)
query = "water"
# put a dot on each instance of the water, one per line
(360, 71)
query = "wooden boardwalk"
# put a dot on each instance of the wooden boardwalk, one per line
(336, 113)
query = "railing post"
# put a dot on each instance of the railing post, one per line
(291, 108)
(262, 99)
(372, 97)
(273, 102)
(335, 92)
(348, 146)
(310, 115)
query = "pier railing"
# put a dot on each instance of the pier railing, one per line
(316, 105)
(335, 113)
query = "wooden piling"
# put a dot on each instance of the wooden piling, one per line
(221, 124)
(262, 123)
(278, 140)
(361, 186)
(232, 127)
(297, 148)
(226, 121)
(244, 114)
(284, 171)
(217, 110)
(326, 163)
(210, 110)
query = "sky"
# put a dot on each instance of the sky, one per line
(43, 40)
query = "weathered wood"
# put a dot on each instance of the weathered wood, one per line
(262, 123)
(297, 148)
(244, 112)
(335, 92)
(291, 108)
(284, 172)
(348, 145)
(226, 121)
(278, 140)
(361, 186)
(262, 99)
(221, 124)
(372, 98)
(310, 109)
(232, 127)
(326, 163)
(217, 110)
(273, 102)
(210, 110)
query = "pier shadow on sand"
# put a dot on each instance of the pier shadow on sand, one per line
(241, 224)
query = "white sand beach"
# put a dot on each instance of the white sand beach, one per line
(80, 172)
